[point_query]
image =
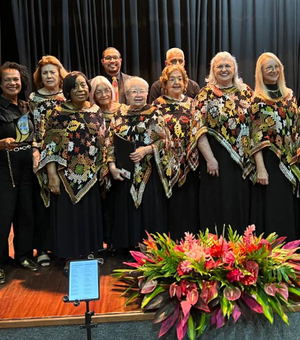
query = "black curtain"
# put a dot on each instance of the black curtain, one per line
(77, 31)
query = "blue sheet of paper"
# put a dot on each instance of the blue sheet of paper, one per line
(83, 280)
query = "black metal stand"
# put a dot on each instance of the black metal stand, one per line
(88, 325)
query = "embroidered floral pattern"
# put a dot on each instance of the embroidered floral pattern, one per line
(175, 159)
(74, 140)
(225, 114)
(41, 107)
(144, 127)
(275, 124)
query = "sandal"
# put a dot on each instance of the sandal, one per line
(43, 260)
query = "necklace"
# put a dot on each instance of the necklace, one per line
(273, 91)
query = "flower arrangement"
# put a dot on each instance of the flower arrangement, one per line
(209, 279)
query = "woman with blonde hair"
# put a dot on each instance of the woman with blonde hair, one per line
(48, 79)
(220, 131)
(274, 146)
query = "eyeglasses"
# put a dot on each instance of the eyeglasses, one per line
(101, 93)
(111, 57)
(141, 91)
(81, 85)
(176, 61)
(270, 69)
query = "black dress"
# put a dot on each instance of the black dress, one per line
(73, 142)
(274, 207)
(139, 203)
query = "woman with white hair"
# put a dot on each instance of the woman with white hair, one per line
(274, 146)
(220, 130)
(139, 203)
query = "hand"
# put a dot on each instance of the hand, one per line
(54, 184)
(7, 143)
(138, 155)
(115, 172)
(262, 177)
(213, 167)
(35, 159)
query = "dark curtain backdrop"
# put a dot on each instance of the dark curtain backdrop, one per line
(77, 31)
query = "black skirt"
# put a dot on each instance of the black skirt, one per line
(129, 222)
(78, 228)
(274, 206)
(183, 207)
(223, 200)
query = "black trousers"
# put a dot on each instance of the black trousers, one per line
(16, 203)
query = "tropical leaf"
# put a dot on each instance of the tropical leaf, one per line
(262, 299)
(157, 301)
(191, 330)
(148, 297)
(166, 310)
(169, 322)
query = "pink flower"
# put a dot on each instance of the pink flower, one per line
(229, 258)
(234, 276)
(183, 268)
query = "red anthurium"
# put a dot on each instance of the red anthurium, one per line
(149, 287)
(251, 279)
(234, 275)
(192, 296)
(282, 289)
(175, 290)
(270, 289)
(209, 291)
(187, 286)
(232, 293)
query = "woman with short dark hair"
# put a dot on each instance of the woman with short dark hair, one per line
(72, 157)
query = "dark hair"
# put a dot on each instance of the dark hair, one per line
(70, 81)
(25, 76)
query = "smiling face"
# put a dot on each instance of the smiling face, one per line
(175, 84)
(80, 93)
(50, 77)
(11, 84)
(103, 95)
(270, 71)
(224, 71)
(137, 95)
(111, 61)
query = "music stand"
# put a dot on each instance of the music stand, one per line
(84, 285)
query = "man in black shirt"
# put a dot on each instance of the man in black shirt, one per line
(173, 56)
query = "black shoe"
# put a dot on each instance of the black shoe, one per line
(2, 276)
(29, 264)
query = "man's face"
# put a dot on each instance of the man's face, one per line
(174, 58)
(111, 62)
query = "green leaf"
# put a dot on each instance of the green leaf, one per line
(148, 297)
(132, 297)
(276, 305)
(191, 331)
(262, 299)
(204, 318)
(294, 290)
(158, 300)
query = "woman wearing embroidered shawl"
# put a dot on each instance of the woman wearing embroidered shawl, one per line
(181, 184)
(221, 132)
(72, 157)
(139, 201)
(274, 146)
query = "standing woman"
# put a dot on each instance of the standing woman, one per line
(72, 156)
(102, 94)
(182, 183)
(221, 132)
(48, 79)
(275, 123)
(140, 200)
(16, 167)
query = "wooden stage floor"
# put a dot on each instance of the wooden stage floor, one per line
(31, 299)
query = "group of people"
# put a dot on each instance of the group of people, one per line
(202, 158)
